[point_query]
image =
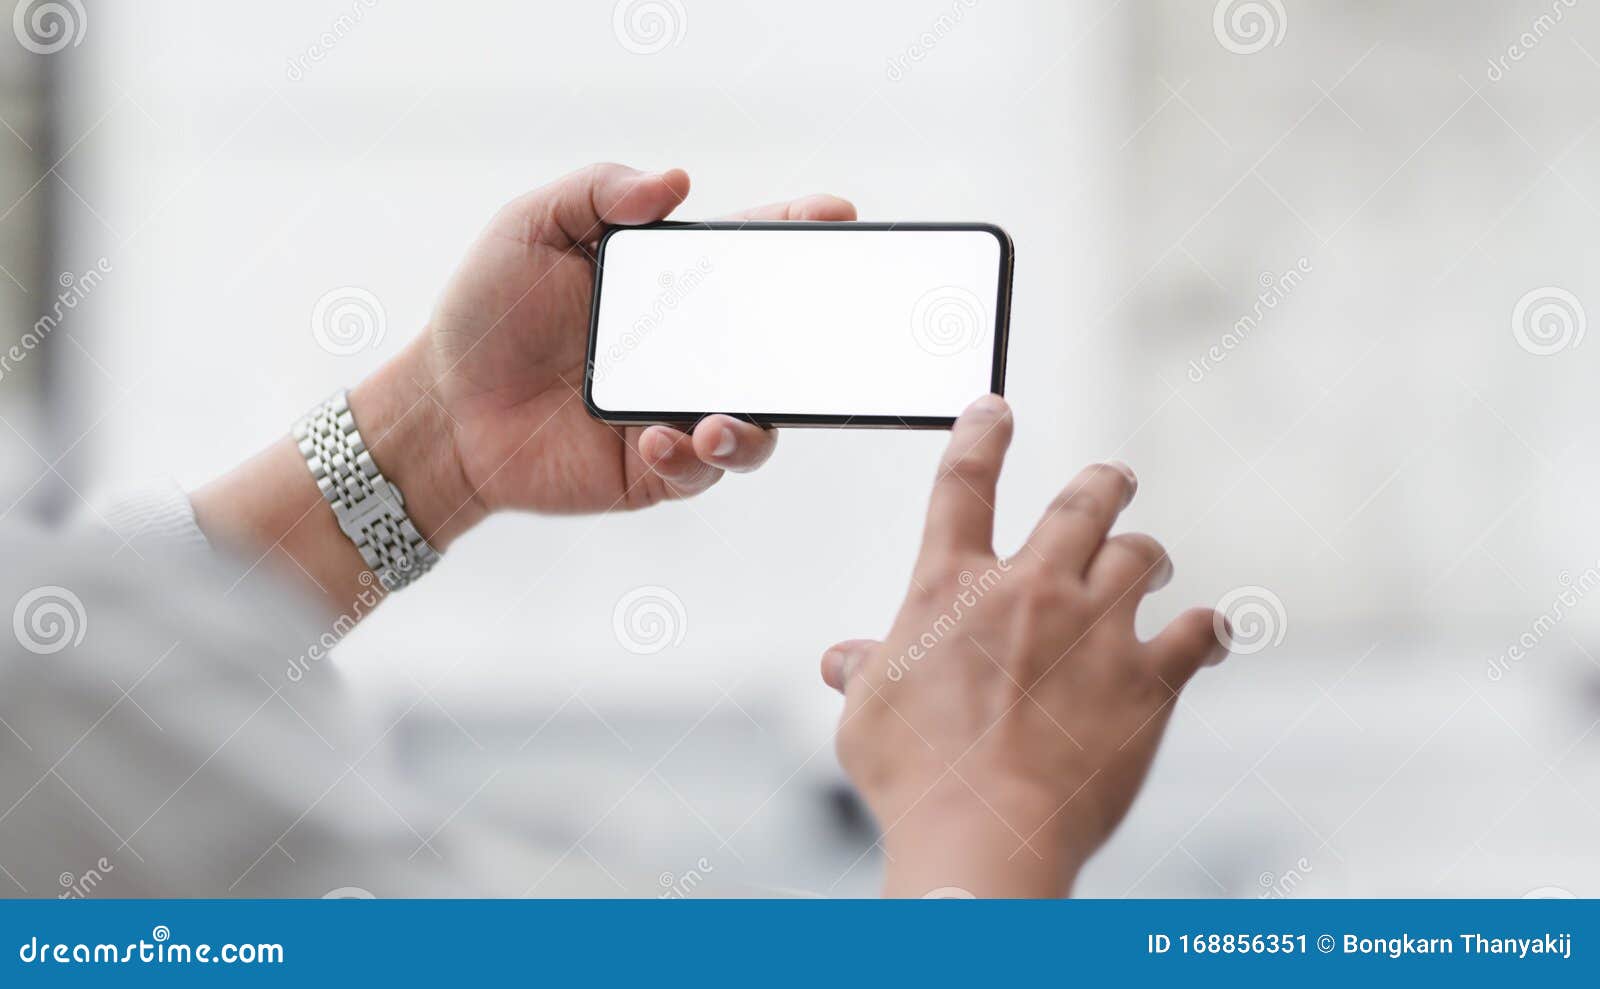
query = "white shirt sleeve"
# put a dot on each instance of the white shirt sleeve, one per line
(155, 514)
(170, 728)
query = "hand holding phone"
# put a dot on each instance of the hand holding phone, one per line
(483, 412)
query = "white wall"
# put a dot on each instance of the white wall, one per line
(1380, 451)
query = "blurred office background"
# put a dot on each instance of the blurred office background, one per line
(1317, 270)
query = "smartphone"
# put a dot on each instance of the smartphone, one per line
(798, 324)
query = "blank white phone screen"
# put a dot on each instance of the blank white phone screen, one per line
(796, 322)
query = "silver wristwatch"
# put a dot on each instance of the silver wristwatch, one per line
(370, 510)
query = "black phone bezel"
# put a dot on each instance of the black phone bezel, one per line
(997, 373)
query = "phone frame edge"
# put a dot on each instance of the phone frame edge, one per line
(997, 362)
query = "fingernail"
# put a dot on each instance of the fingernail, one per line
(1126, 471)
(726, 444)
(1164, 575)
(840, 660)
(852, 660)
(987, 407)
(1224, 644)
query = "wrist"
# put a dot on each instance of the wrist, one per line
(1003, 844)
(413, 441)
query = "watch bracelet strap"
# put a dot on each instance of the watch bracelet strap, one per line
(369, 509)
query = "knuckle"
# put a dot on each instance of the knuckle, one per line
(1041, 600)
(849, 747)
(930, 586)
(1030, 568)
(1093, 613)
(859, 741)
(968, 466)
(653, 491)
(923, 591)
(694, 479)
(677, 468)
(1137, 678)
(1147, 548)
(942, 575)
(1079, 502)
